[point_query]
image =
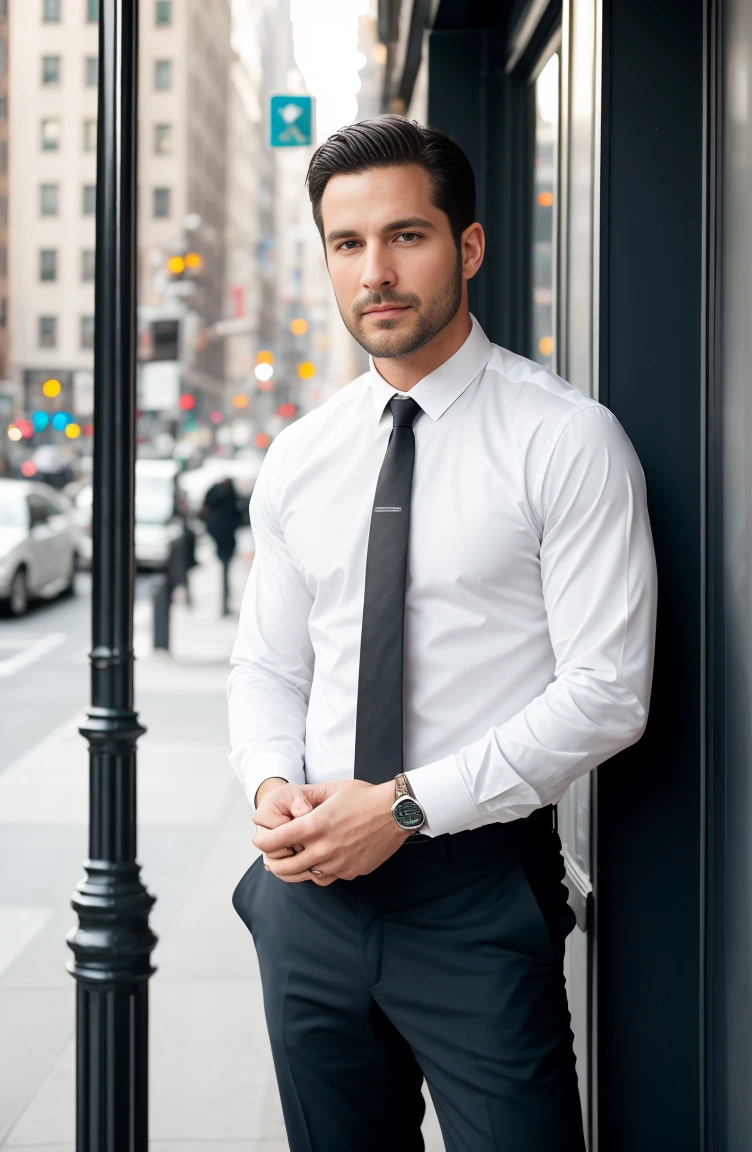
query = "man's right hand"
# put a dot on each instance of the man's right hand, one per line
(278, 802)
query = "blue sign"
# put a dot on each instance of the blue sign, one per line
(290, 121)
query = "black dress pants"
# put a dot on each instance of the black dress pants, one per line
(446, 963)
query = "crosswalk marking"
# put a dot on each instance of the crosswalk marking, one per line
(26, 648)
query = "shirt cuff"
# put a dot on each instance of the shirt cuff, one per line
(263, 768)
(442, 793)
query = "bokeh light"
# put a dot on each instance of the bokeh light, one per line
(216, 417)
(286, 411)
(60, 420)
(186, 402)
(263, 371)
(546, 345)
(264, 357)
(193, 261)
(306, 370)
(40, 420)
(266, 385)
(299, 326)
(14, 432)
(51, 388)
(262, 440)
(26, 428)
(240, 401)
(176, 264)
(72, 430)
(28, 469)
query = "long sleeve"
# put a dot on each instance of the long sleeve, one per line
(272, 661)
(599, 588)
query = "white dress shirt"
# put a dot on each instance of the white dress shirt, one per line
(530, 599)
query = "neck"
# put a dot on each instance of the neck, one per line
(404, 372)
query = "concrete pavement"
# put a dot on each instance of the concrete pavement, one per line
(212, 1083)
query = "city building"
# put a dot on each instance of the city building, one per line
(5, 396)
(186, 59)
(50, 97)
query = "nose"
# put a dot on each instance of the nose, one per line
(377, 270)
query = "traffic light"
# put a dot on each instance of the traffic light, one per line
(184, 266)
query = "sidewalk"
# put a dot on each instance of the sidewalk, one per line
(212, 1082)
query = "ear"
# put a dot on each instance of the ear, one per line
(472, 248)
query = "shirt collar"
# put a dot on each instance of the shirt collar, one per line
(439, 390)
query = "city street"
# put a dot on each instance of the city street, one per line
(212, 1083)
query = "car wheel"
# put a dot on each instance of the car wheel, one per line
(18, 601)
(70, 587)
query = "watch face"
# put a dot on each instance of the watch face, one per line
(408, 813)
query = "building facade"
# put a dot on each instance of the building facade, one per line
(52, 114)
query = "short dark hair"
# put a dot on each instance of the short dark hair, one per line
(388, 140)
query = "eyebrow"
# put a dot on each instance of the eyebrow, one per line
(394, 226)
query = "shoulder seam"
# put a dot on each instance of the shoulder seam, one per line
(554, 438)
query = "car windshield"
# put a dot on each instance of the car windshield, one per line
(13, 510)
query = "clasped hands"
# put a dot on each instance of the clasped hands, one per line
(338, 830)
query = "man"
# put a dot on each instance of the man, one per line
(222, 519)
(449, 619)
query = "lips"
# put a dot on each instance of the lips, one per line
(388, 312)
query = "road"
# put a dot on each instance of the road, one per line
(44, 666)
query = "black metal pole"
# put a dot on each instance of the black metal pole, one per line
(112, 943)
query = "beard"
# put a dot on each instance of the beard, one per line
(430, 317)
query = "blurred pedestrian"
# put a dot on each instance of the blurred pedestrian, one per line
(222, 518)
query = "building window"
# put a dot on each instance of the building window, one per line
(3, 312)
(47, 332)
(3, 260)
(87, 331)
(3, 57)
(3, 107)
(3, 211)
(3, 156)
(48, 264)
(90, 135)
(161, 203)
(92, 11)
(89, 199)
(50, 69)
(163, 13)
(51, 11)
(91, 71)
(163, 75)
(49, 195)
(87, 265)
(162, 139)
(50, 134)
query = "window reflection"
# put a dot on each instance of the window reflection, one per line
(545, 190)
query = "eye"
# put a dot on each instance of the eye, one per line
(408, 237)
(343, 247)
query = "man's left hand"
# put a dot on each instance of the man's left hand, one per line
(349, 833)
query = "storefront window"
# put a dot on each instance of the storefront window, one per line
(546, 159)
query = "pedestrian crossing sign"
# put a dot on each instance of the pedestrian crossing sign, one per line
(290, 120)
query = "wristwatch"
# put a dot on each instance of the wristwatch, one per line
(407, 812)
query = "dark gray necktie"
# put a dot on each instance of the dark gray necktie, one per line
(378, 727)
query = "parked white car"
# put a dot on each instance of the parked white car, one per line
(40, 543)
(156, 523)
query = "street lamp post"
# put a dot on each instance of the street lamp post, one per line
(112, 943)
